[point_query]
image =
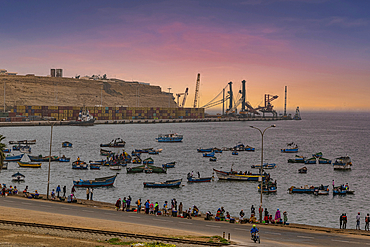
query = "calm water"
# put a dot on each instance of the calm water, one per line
(333, 134)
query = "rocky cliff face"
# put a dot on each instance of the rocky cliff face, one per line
(37, 90)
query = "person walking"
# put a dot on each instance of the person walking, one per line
(123, 204)
(358, 221)
(128, 203)
(64, 191)
(58, 191)
(285, 215)
(138, 203)
(87, 193)
(91, 193)
(344, 226)
(341, 221)
(367, 220)
(73, 190)
(118, 204)
(180, 209)
(147, 205)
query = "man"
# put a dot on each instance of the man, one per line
(165, 208)
(138, 203)
(147, 205)
(87, 193)
(358, 221)
(341, 221)
(241, 216)
(367, 220)
(253, 210)
(344, 221)
(58, 191)
(118, 204)
(254, 230)
(64, 191)
(91, 193)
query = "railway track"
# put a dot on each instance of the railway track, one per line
(110, 233)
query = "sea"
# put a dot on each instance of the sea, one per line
(334, 134)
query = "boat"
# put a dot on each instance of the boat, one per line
(105, 152)
(169, 165)
(5, 166)
(234, 153)
(199, 180)
(212, 154)
(213, 159)
(239, 147)
(148, 161)
(18, 177)
(270, 187)
(321, 190)
(217, 150)
(169, 138)
(66, 145)
(94, 166)
(223, 175)
(149, 168)
(29, 142)
(310, 161)
(153, 152)
(29, 164)
(297, 115)
(7, 150)
(41, 158)
(291, 148)
(342, 163)
(302, 170)
(342, 190)
(84, 119)
(167, 184)
(64, 159)
(14, 157)
(324, 161)
(136, 169)
(205, 150)
(80, 165)
(317, 155)
(297, 159)
(97, 182)
(116, 143)
(249, 149)
(305, 189)
(265, 166)
(136, 160)
(115, 167)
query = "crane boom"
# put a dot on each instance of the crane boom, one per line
(197, 91)
(185, 95)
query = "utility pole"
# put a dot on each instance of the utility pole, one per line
(4, 96)
(51, 140)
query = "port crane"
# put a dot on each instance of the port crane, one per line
(196, 98)
(184, 99)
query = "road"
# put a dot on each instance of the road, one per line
(276, 236)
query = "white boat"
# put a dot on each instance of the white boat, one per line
(18, 177)
(25, 149)
(342, 163)
(115, 167)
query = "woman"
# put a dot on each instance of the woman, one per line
(277, 216)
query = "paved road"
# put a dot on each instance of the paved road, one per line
(239, 233)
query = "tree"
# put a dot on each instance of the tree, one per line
(2, 155)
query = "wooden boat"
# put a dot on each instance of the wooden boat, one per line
(5, 166)
(115, 167)
(117, 143)
(205, 150)
(212, 154)
(148, 161)
(199, 180)
(66, 145)
(105, 152)
(169, 138)
(317, 155)
(167, 184)
(29, 142)
(324, 161)
(16, 147)
(249, 149)
(213, 159)
(217, 150)
(342, 190)
(265, 166)
(234, 153)
(270, 187)
(321, 190)
(291, 148)
(148, 168)
(14, 157)
(25, 149)
(80, 165)
(136, 169)
(310, 161)
(153, 152)
(239, 147)
(18, 177)
(169, 165)
(136, 160)
(297, 159)
(94, 166)
(342, 163)
(41, 158)
(29, 164)
(8, 150)
(223, 175)
(64, 159)
(97, 182)
(305, 190)
(302, 170)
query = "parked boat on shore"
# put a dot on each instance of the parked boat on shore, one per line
(342, 163)
(232, 175)
(97, 182)
(29, 164)
(291, 148)
(169, 138)
(167, 184)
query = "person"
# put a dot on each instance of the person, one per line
(358, 221)
(147, 206)
(58, 191)
(123, 203)
(165, 208)
(36, 194)
(228, 217)
(254, 230)
(285, 214)
(189, 213)
(241, 216)
(266, 218)
(367, 220)
(64, 191)
(253, 210)
(341, 221)
(53, 194)
(73, 190)
(3, 191)
(138, 203)
(91, 193)
(208, 215)
(118, 204)
(87, 193)
(195, 210)
(156, 208)
(15, 190)
(180, 208)
(128, 203)
(333, 183)
(277, 216)
(344, 221)
(198, 175)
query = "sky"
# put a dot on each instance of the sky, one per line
(319, 49)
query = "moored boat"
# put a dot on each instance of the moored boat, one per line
(321, 190)
(169, 138)
(270, 187)
(342, 190)
(223, 175)
(14, 157)
(249, 149)
(167, 184)
(115, 167)
(234, 153)
(317, 155)
(29, 164)
(213, 159)
(297, 159)
(305, 189)
(205, 150)
(105, 152)
(29, 142)
(116, 143)
(310, 161)
(25, 149)
(342, 163)
(148, 161)
(302, 170)
(324, 161)
(265, 166)
(94, 166)
(64, 159)
(97, 182)
(84, 119)
(66, 145)
(18, 177)
(80, 165)
(5, 166)
(291, 148)
(169, 165)
(212, 154)
(199, 180)
(7, 150)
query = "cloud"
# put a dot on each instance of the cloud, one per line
(345, 22)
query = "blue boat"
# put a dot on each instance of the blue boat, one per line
(307, 190)
(317, 155)
(38, 158)
(153, 152)
(148, 161)
(213, 159)
(94, 166)
(342, 190)
(324, 161)
(234, 153)
(249, 149)
(342, 163)
(169, 138)
(199, 180)
(209, 154)
(167, 184)
(8, 150)
(97, 182)
(64, 159)
(205, 150)
(169, 165)
(217, 150)
(80, 165)
(14, 157)
(310, 161)
(297, 159)
(291, 148)
(270, 187)
(66, 145)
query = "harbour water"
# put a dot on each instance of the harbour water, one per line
(334, 134)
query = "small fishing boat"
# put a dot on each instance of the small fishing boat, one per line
(291, 148)
(167, 184)
(16, 147)
(97, 182)
(25, 149)
(148, 161)
(270, 187)
(324, 161)
(29, 142)
(29, 164)
(8, 150)
(115, 167)
(317, 155)
(117, 143)
(305, 189)
(342, 163)
(310, 161)
(217, 150)
(106, 152)
(321, 190)
(38, 158)
(18, 177)
(265, 166)
(64, 159)
(14, 157)
(169, 138)
(136, 160)
(232, 175)
(137, 169)
(66, 145)
(213, 159)
(94, 166)
(80, 165)
(5, 166)
(199, 180)
(153, 152)
(234, 153)
(249, 149)
(297, 159)
(169, 165)
(302, 170)
(342, 190)
(239, 147)
(205, 150)
(212, 154)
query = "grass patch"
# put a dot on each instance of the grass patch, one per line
(117, 241)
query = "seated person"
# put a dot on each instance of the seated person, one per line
(208, 215)
(254, 230)
(227, 216)
(36, 195)
(253, 219)
(15, 190)
(53, 194)
(195, 211)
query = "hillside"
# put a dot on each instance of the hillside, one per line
(37, 90)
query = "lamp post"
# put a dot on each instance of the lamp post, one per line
(51, 139)
(261, 168)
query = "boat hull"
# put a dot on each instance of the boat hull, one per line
(29, 165)
(14, 158)
(167, 184)
(199, 180)
(222, 175)
(289, 150)
(97, 182)
(82, 123)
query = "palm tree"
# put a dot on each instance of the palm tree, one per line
(2, 155)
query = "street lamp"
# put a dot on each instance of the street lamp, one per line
(51, 140)
(261, 169)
